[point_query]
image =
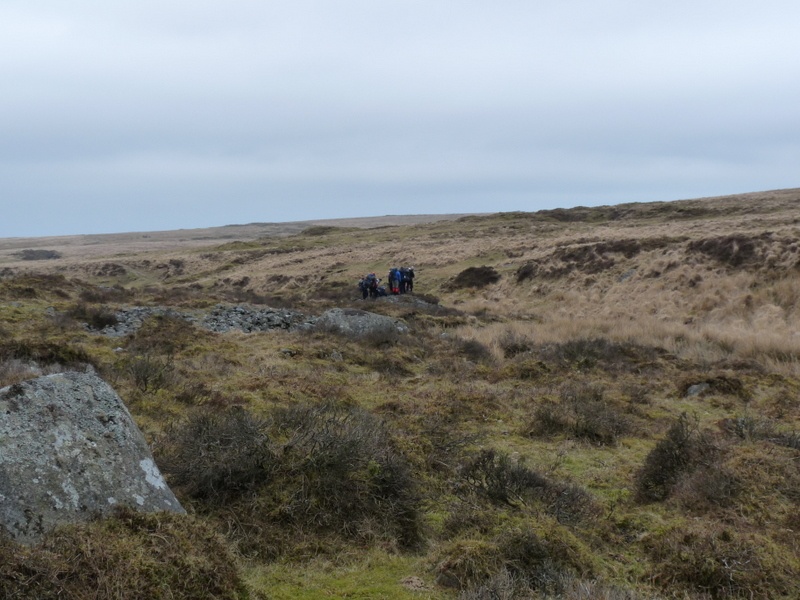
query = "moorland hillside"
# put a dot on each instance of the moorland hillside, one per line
(588, 403)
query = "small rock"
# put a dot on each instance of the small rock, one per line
(415, 584)
(697, 389)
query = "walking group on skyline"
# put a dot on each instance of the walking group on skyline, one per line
(401, 281)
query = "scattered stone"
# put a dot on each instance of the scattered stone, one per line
(70, 451)
(224, 318)
(220, 319)
(130, 319)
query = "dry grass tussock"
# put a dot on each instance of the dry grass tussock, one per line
(591, 403)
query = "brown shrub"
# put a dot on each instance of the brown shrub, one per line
(682, 450)
(707, 488)
(583, 413)
(45, 353)
(730, 250)
(128, 556)
(518, 561)
(148, 371)
(723, 563)
(216, 456)
(474, 350)
(549, 419)
(104, 294)
(514, 344)
(345, 471)
(476, 277)
(501, 480)
(96, 318)
(164, 334)
(317, 471)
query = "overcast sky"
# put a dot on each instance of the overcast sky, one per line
(142, 115)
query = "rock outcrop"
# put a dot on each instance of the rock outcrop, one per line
(69, 451)
(360, 324)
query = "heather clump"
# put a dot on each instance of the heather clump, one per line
(126, 556)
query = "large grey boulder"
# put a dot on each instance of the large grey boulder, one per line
(360, 324)
(69, 451)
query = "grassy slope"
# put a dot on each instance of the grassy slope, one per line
(573, 365)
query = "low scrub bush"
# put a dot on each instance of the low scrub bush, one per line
(149, 372)
(583, 414)
(544, 565)
(443, 442)
(519, 562)
(723, 563)
(469, 519)
(501, 480)
(549, 419)
(105, 294)
(476, 277)
(513, 344)
(45, 353)
(129, 556)
(164, 334)
(24, 286)
(345, 472)
(501, 586)
(730, 250)
(474, 350)
(598, 422)
(707, 488)
(94, 317)
(325, 469)
(216, 456)
(682, 450)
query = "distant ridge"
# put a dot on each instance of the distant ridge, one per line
(162, 240)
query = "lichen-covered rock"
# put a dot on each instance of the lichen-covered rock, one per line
(69, 451)
(360, 324)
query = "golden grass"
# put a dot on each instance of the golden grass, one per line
(628, 306)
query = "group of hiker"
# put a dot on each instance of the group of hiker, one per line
(401, 281)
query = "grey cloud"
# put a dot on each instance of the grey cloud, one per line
(267, 111)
